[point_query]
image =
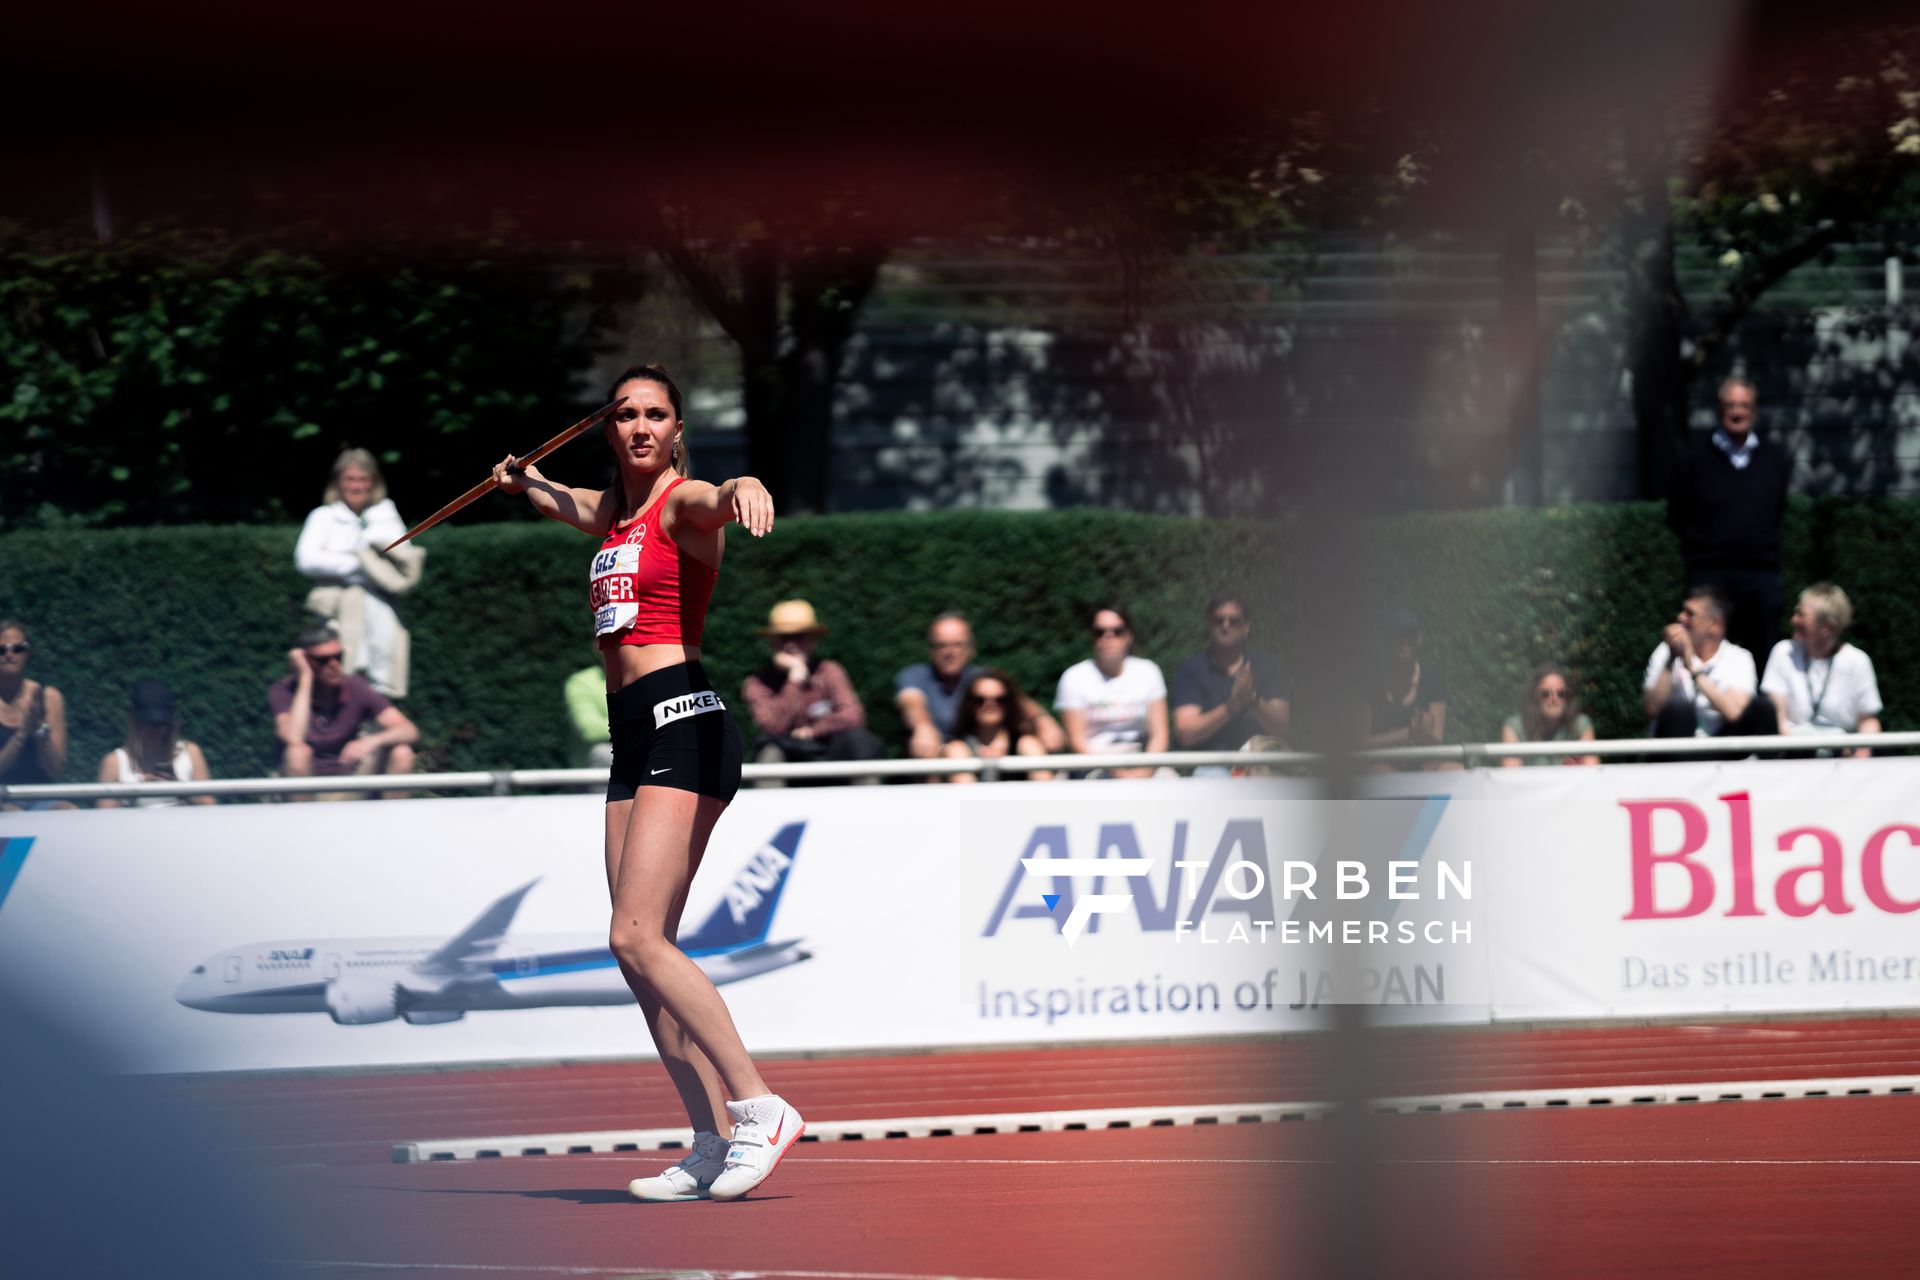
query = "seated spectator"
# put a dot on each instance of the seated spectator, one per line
(987, 727)
(1227, 693)
(1113, 703)
(1406, 701)
(33, 722)
(804, 706)
(1549, 712)
(1700, 684)
(1259, 744)
(1818, 683)
(154, 750)
(586, 697)
(340, 548)
(331, 724)
(928, 693)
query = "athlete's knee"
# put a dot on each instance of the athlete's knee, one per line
(641, 950)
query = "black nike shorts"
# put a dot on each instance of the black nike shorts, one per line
(670, 729)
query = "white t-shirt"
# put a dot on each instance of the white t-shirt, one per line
(1731, 668)
(1116, 708)
(182, 772)
(1825, 695)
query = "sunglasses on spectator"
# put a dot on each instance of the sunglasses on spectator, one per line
(1229, 620)
(997, 699)
(1098, 632)
(948, 644)
(19, 647)
(323, 659)
(1544, 694)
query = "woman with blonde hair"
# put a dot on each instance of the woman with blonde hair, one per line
(340, 548)
(154, 750)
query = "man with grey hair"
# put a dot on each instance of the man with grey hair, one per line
(928, 693)
(1818, 682)
(1728, 499)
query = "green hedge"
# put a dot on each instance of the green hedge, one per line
(500, 620)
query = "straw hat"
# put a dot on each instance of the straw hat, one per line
(792, 618)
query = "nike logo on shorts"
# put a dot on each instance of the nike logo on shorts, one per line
(657, 772)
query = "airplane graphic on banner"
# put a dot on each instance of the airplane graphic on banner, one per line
(433, 980)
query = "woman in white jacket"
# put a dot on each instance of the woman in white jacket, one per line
(339, 549)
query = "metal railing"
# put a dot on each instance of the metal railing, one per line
(502, 782)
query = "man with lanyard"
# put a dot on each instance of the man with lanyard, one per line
(1726, 505)
(1819, 684)
(1700, 684)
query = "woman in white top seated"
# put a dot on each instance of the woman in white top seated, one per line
(1820, 683)
(340, 549)
(1113, 703)
(154, 751)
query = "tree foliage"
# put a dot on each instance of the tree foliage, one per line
(173, 374)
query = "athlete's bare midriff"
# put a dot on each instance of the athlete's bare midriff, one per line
(626, 663)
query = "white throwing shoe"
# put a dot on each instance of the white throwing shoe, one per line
(764, 1128)
(689, 1179)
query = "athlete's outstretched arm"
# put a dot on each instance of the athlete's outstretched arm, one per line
(584, 509)
(707, 507)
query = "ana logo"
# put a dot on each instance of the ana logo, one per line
(749, 888)
(291, 954)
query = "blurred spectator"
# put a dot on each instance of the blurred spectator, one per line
(33, 721)
(1728, 497)
(986, 725)
(1817, 682)
(1227, 693)
(1259, 743)
(928, 693)
(1699, 683)
(804, 706)
(154, 750)
(1406, 701)
(1113, 702)
(340, 549)
(1549, 712)
(319, 713)
(586, 696)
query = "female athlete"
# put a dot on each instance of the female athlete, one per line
(676, 764)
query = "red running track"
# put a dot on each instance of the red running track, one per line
(358, 1117)
(1761, 1190)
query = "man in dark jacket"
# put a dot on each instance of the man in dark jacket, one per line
(1728, 498)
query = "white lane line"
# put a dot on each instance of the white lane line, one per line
(859, 1130)
(1624, 1096)
(636, 1272)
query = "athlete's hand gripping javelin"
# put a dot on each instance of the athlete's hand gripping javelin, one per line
(491, 483)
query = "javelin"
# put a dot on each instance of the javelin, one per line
(490, 484)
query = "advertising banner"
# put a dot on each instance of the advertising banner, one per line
(1743, 887)
(275, 936)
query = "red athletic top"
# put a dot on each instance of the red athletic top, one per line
(645, 588)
